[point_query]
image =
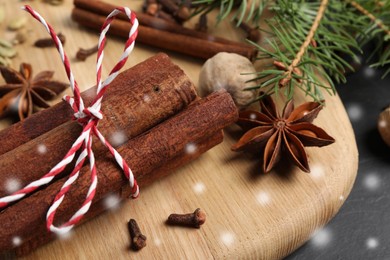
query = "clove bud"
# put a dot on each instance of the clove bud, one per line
(83, 54)
(195, 219)
(138, 240)
(48, 42)
(253, 34)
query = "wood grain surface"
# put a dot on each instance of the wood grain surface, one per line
(250, 215)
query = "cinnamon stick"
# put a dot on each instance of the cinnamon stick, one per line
(104, 9)
(100, 207)
(135, 103)
(191, 46)
(48, 119)
(144, 153)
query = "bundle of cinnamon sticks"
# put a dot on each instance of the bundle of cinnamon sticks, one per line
(158, 32)
(158, 114)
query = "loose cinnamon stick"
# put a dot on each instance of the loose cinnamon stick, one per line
(191, 46)
(144, 153)
(99, 207)
(134, 104)
(104, 8)
(48, 119)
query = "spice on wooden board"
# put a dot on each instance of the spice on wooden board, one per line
(138, 240)
(195, 47)
(82, 54)
(23, 92)
(104, 8)
(48, 119)
(195, 219)
(131, 107)
(145, 153)
(124, 192)
(48, 42)
(289, 132)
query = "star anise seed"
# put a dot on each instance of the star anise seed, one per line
(22, 92)
(289, 133)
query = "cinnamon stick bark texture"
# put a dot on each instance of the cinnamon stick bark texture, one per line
(100, 207)
(144, 153)
(48, 119)
(191, 46)
(136, 102)
(104, 8)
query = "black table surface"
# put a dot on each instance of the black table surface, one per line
(361, 229)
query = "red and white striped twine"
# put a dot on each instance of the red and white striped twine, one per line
(89, 118)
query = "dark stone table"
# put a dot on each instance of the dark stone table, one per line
(361, 229)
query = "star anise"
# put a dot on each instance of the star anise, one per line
(286, 134)
(22, 92)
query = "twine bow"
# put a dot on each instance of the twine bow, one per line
(89, 118)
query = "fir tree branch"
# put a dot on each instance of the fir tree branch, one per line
(372, 17)
(307, 42)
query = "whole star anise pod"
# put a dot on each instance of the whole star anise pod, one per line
(22, 92)
(286, 134)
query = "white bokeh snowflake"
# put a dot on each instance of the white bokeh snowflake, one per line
(227, 238)
(321, 238)
(42, 149)
(65, 235)
(118, 138)
(317, 171)
(371, 181)
(263, 198)
(199, 187)
(11, 185)
(252, 116)
(190, 148)
(112, 202)
(382, 123)
(157, 241)
(146, 98)
(355, 111)
(369, 72)
(372, 243)
(16, 241)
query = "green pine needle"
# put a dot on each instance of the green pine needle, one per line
(341, 28)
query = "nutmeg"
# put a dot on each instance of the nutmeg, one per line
(232, 72)
(384, 125)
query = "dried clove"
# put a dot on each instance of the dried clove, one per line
(202, 23)
(138, 240)
(253, 34)
(83, 54)
(48, 42)
(195, 219)
(181, 13)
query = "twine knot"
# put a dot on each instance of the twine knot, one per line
(87, 115)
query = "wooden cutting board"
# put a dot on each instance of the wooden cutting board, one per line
(250, 215)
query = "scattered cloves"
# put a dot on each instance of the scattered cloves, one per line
(195, 219)
(48, 42)
(138, 240)
(83, 54)
(253, 34)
